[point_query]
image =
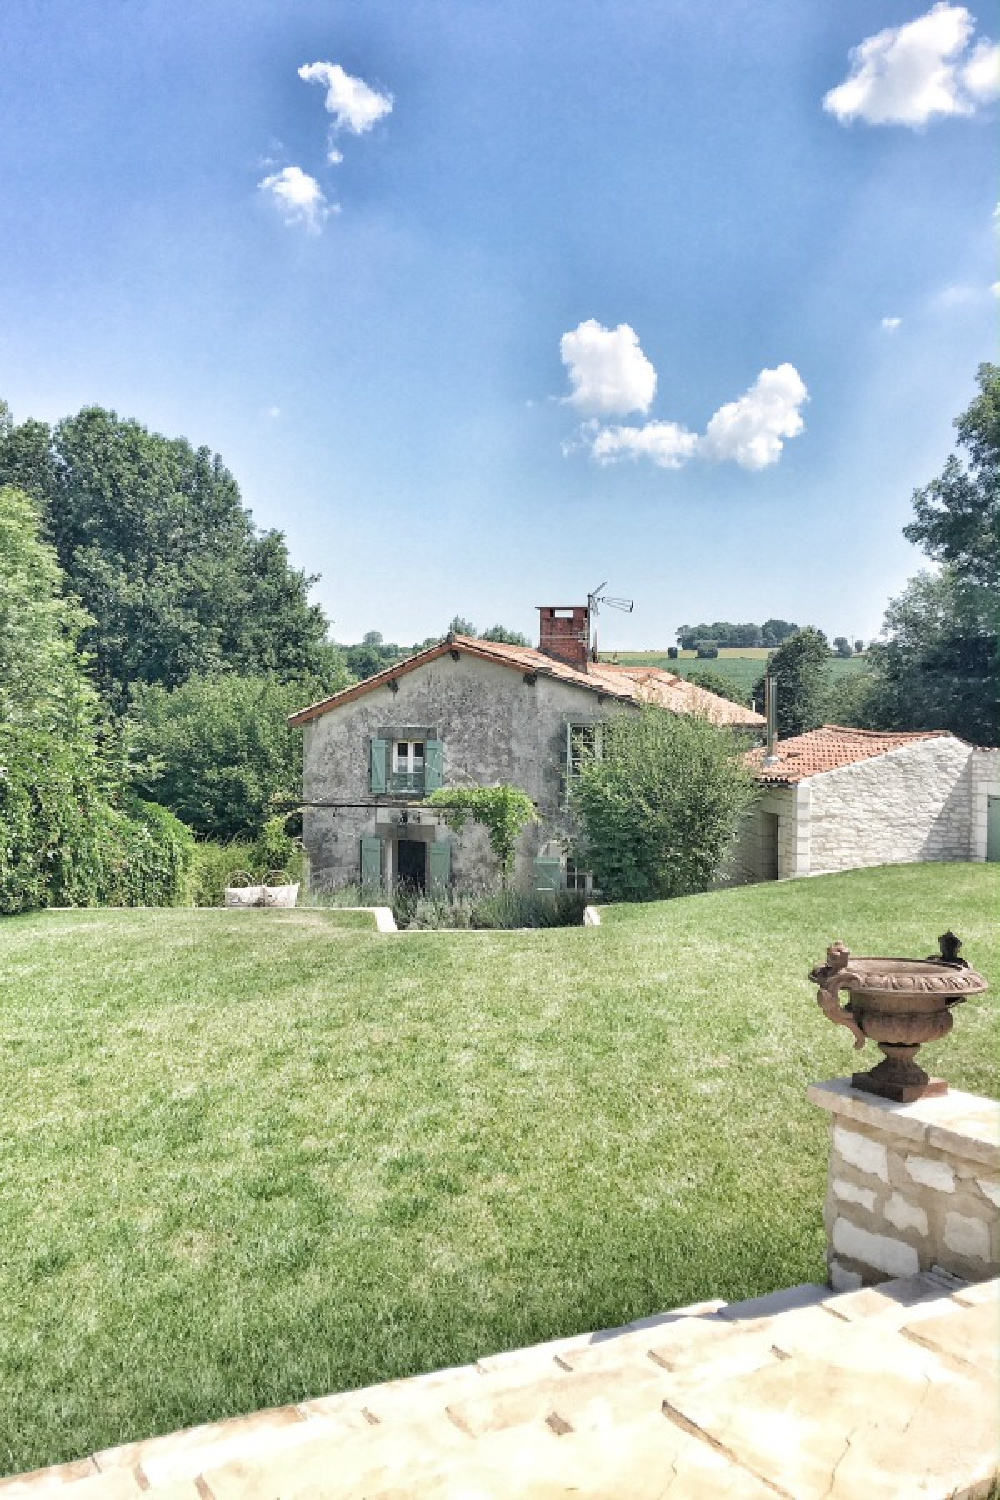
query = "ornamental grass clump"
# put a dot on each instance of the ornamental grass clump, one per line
(660, 805)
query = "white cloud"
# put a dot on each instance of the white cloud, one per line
(352, 103)
(274, 412)
(981, 74)
(667, 444)
(299, 198)
(890, 324)
(608, 371)
(995, 288)
(905, 75)
(750, 431)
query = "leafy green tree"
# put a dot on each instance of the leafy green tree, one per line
(371, 656)
(64, 839)
(460, 626)
(842, 646)
(716, 682)
(937, 668)
(661, 805)
(155, 542)
(218, 751)
(802, 667)
(501, 634)
(776, 632)
(958, 514)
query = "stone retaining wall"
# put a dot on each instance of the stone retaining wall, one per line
(911, 1186)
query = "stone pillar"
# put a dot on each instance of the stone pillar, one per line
(911, 1186)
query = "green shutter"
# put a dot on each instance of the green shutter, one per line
(379, 766)
(439, 865)
(371, 861)
(433, 765)
(548, 874)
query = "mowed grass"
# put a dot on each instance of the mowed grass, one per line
(252, 1157)
(742, 665)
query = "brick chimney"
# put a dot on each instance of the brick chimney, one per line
(564, 632)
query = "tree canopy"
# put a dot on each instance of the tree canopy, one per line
(958, 514)
(660, 804)
(155, 542)
(801, 666)
(937, 667)
(65, 837)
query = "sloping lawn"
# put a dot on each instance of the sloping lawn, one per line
(250, 1157)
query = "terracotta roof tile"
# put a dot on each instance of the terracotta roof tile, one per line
(829, 748)
(626, 684)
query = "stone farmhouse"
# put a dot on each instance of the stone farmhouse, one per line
(468, 712)
(840, 799)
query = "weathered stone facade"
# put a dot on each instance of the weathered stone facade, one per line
(495, 727)
(925, 801)
(911, 1186)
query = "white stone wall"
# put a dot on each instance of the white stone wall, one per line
(910, 1186)
(912, 804)
(985, 783)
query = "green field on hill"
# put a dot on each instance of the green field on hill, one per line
(250, 1157)
(742, 665)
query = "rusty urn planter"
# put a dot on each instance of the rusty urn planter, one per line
(899, 1003)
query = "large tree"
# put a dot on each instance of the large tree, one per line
(68, 834)
(218, 751)
(802, 667)
(958, 513)
(660, 804)
(937, 667)
(154, 540)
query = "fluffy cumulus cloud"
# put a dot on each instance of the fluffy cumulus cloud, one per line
(668, 445)
(891, 324)
(608, 372)
(907, 75)
(298, 197)
(354, 105)
(752, 430)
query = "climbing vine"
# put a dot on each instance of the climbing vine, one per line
(502, 810)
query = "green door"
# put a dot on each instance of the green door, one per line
(993, 829)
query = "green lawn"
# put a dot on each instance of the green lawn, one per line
(742, 667)
(250, 1157)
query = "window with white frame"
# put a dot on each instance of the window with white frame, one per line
(583, 743)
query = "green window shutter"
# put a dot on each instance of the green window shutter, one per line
(371, 861)
(379, 766)
(439, 865)
(548, 874)
(433, 765)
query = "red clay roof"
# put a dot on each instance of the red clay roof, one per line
(829, 748)
(625, 684)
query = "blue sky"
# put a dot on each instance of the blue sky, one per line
(680, 296)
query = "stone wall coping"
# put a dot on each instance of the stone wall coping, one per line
(965, 1125)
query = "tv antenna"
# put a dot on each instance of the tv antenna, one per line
(594, 600)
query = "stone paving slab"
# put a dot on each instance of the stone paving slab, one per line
(883, 1394)
(971, 1334)
(640, 1461)
(822, 1431)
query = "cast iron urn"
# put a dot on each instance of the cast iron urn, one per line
(900, 1003)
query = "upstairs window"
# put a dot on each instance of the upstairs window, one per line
(583, 743)
(405, 767)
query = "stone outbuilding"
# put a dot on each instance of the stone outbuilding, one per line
(469, 712)
(840, 799)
